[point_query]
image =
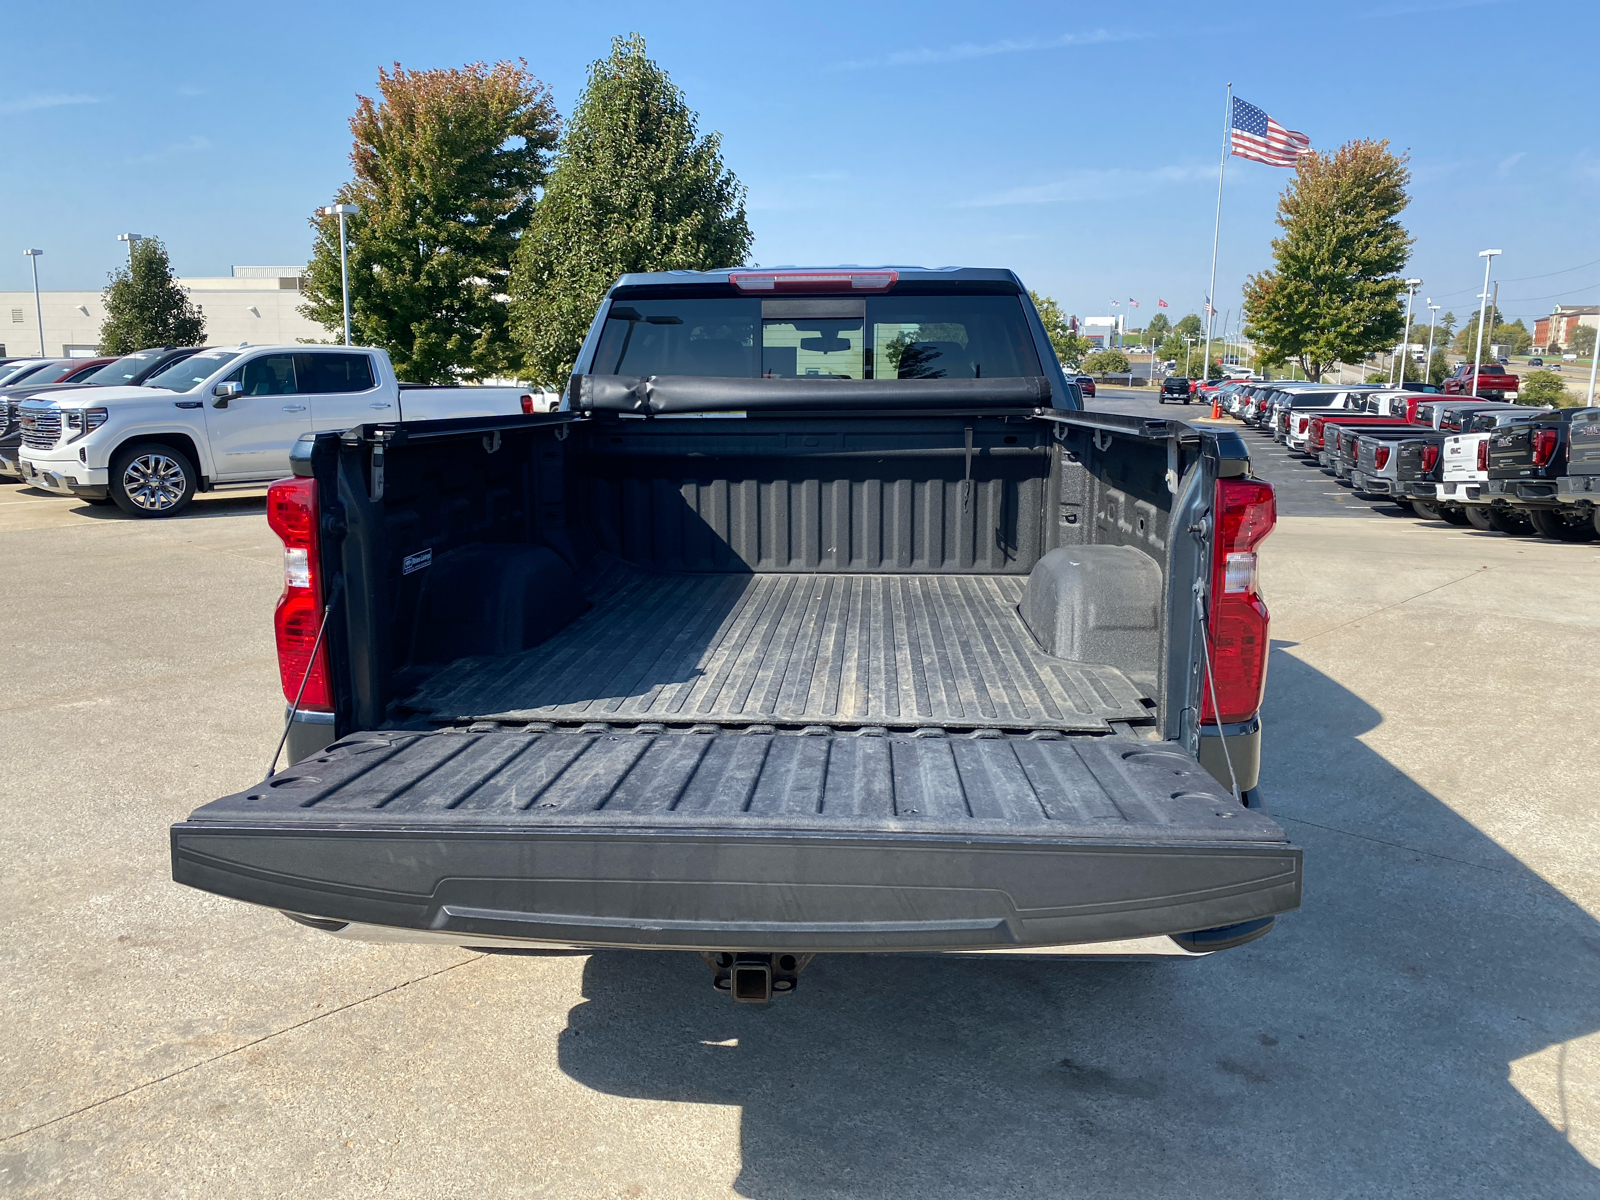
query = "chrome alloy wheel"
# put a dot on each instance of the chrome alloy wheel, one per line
(154, 482)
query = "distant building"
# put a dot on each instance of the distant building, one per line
(1559, 327)
(1102, 332)
(254, 304)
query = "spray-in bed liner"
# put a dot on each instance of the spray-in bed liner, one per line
(901, 651)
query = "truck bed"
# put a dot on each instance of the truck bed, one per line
(897, 651)
(818, 842)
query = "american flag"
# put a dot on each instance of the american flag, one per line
(1258, 137)
(1133, 302)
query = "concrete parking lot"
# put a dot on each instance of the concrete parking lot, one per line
(1427, 1024)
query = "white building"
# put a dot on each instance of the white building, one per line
(254, 304)
(1102, 332)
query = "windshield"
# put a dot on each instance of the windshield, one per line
(125, 370)
(192, 371)
(823, 337)
(17, 372)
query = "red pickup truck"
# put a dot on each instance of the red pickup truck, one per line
(1493, 383)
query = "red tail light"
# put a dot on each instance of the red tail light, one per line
(1483, 453)
(1315, 437)
(813, 281)
(1544, 446)
(1245, 512)
(1430, 458)
(292, 514)
(527, 405)
(1380, 457)
(1304, 421)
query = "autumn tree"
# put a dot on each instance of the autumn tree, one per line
(1332, 293)
(1069, 346)
(636, 187)
(145, 306)
(446, 166)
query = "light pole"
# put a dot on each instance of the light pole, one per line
(342, 211)
(38, 310)
(1405, 339)
(1483, 303)
(1433, 315)
(133, 239)
(1594, 360)
(1187, 354)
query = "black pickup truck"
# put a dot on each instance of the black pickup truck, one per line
(1528, 463)
(819, 618)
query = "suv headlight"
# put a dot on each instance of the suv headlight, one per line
(80, 421)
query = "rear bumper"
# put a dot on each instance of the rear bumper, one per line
(1415, 489)
(1522, 493)
(1457, 492)
(1578, 489)
(1373, 485)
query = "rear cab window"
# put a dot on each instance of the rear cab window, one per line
(819, 337)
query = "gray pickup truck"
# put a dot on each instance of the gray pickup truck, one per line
(818, 619)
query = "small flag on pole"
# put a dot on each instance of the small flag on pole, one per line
(1259, 138)
(1209, 310)
(1162, 304)
(1114, 304)
(1133, 302)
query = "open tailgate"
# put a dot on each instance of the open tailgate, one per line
(757, 840)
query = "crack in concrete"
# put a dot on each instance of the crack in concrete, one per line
(1375, 612)
(1281, 816)
(206, 1062)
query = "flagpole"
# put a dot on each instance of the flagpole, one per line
(1216, 230)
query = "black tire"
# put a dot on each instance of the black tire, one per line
(1503, 520)
(1427, 510)
(1454, 514)
(1564, 527)
(151, 479)
(1478, 517)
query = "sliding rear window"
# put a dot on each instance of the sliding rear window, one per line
(820, 337)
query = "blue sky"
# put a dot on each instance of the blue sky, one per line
(1077, 144)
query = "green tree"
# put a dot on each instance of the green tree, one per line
(1106, 362)
(1332, 293)
(1541, 387)
(145, 306)
(635, 188)
(1438, 368)
(1581, 341)
(1069, 346)
(1156, 329)
(1467, 339)
(446, 165)
(1174, 349)
(1189, 326)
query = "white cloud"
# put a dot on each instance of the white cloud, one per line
(1506, 164)
(1093, 185)
(192, 144)
(45, 100)
(924, 56)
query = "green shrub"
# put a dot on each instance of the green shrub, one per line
(1541, 387)
(1106, 362)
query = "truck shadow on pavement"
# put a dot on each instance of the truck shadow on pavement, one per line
(1364, 1047)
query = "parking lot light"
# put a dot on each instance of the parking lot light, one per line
(342, 211)
(133, 239)
(1433, 314)
(38, 310)
(1405, 338)
(1483, 304)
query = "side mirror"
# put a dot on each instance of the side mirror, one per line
(225, 392)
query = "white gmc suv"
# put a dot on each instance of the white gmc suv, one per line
(224, 416)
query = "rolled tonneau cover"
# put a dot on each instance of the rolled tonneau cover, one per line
(659, 394)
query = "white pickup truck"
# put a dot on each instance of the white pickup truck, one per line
(225, 416)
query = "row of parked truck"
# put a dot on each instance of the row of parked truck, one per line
(1467, 460)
